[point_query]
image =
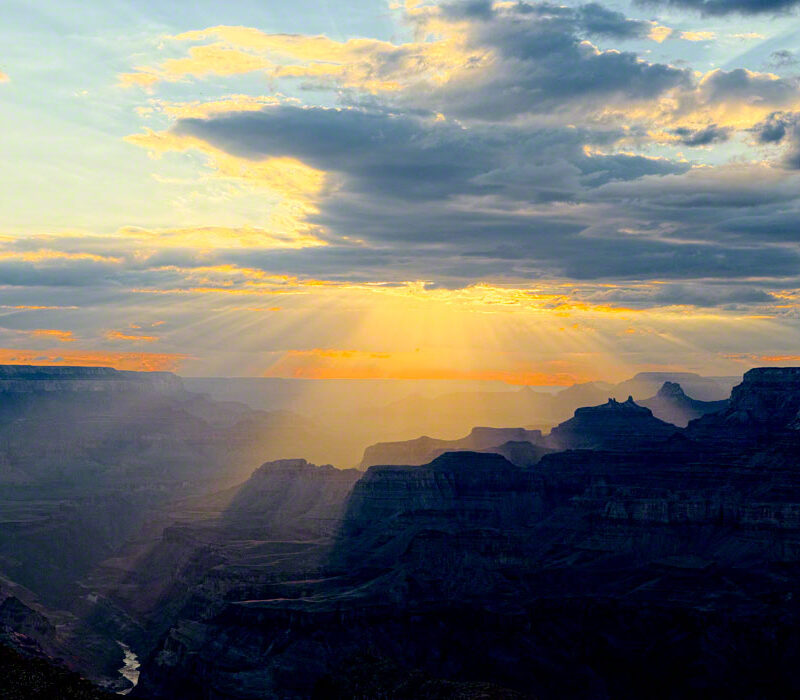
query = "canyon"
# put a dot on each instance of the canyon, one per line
(617, 556)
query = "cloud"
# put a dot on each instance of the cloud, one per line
(507, 142)
(214, 237)
(500, 62)
(4, 77)
(698, 36)
(775, 127)
(140, 361)
(132, 337)
(782, 127)
(782, 59)
(51, 333)
(725, 7)
(542, 48)
(557, 201)
(702, 137)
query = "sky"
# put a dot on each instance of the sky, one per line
(529, 193)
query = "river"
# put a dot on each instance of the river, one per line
(130, 667)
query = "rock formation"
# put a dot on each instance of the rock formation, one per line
(613, 425)
(672, 405)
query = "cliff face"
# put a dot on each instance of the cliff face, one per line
(27, 379)
(763, 407)
(458, 489)
(291, 498)
(231, 544)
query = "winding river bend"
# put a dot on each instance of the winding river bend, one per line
(130, 668)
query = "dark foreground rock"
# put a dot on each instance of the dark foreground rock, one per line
(27, 677)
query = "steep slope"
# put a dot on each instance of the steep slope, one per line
(270, 529)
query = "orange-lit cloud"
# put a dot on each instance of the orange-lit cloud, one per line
(754, 358)
(119, 335)
(61, 336)
(4, 77)
(35, 307)
(141, 361)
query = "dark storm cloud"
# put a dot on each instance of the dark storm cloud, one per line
(702, 137)
(725, 7)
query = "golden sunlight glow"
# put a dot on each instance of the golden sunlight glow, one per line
(205, 238)
(137, 361)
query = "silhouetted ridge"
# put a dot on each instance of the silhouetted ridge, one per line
(424, 449)
(613, 425)
(472, 461)
(764, 405)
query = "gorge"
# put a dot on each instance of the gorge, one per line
(623, 556)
